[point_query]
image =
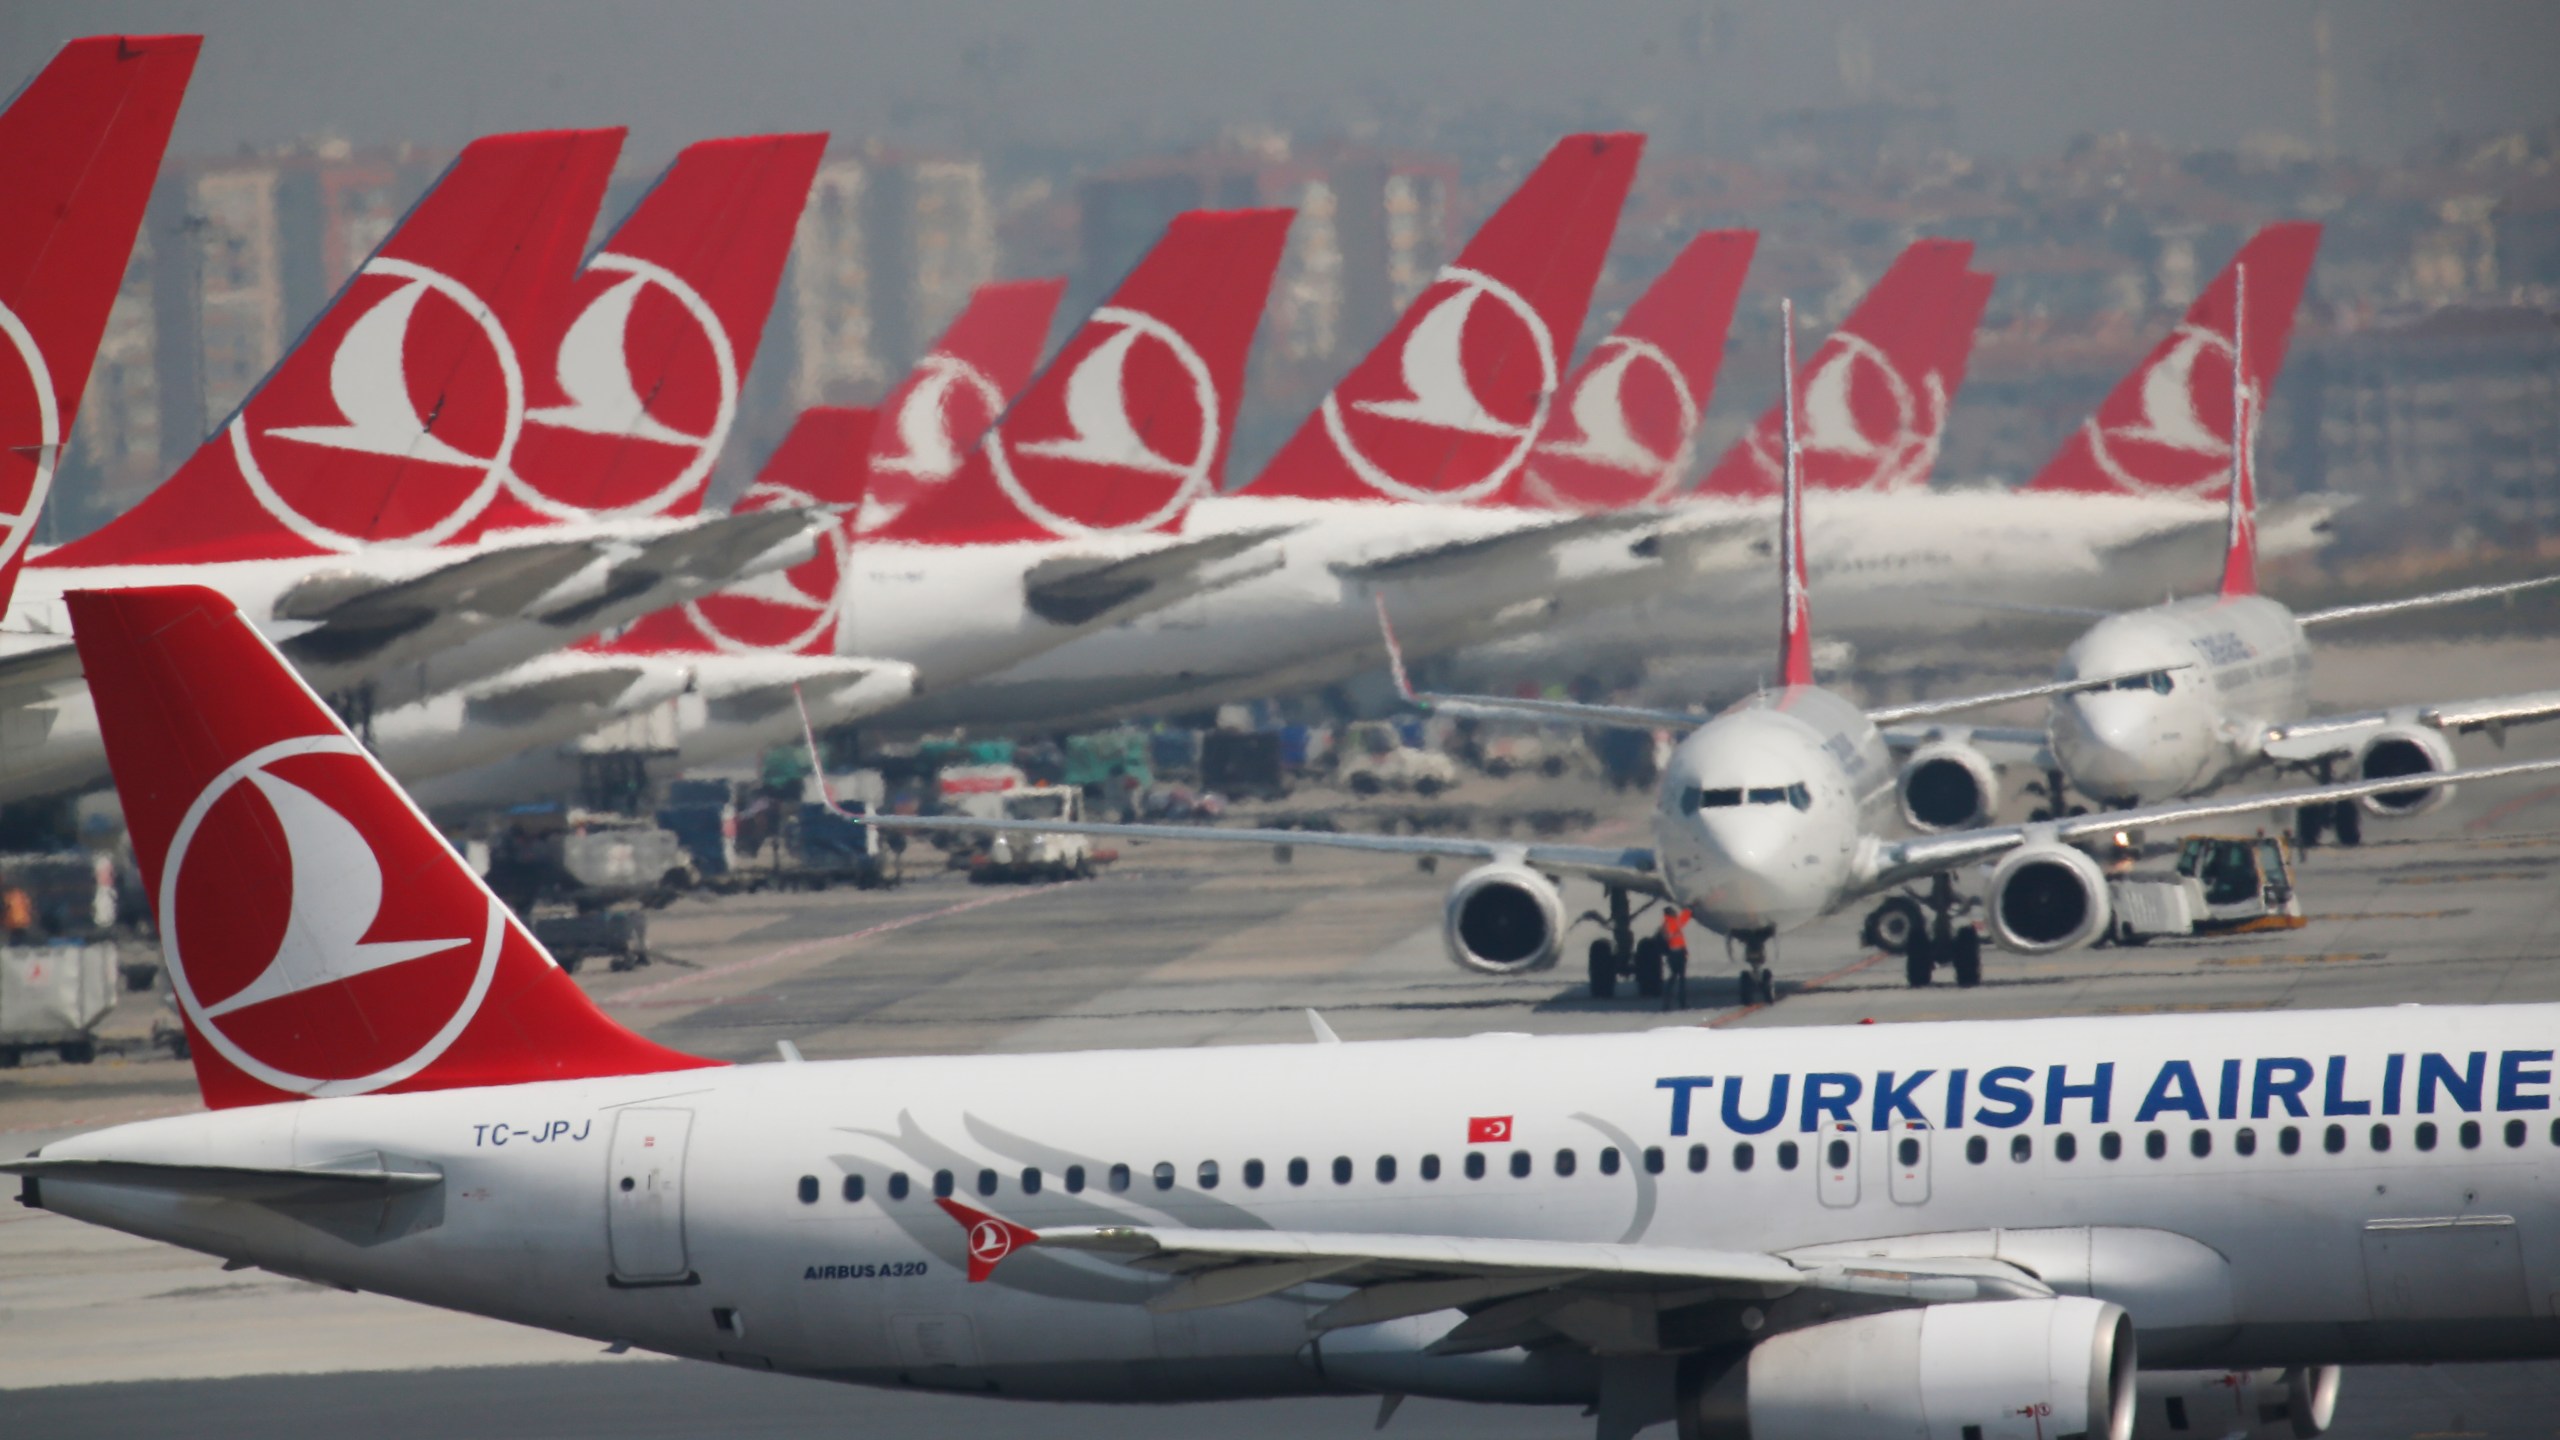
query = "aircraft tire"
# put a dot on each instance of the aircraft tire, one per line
(1604, 970)
(1968, 958)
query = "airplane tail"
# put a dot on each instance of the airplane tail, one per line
(2240, 551)
(1129, 421)
(1873, 399)
(1795, 621)
(633, 390)
(1626, 429)
(937, 415)
(79, 148)
(818, 465)
(2167, 427)
(321, 937)
(395, 418)
(1449, 405)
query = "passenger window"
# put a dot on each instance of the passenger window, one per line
(2066, 1147)
(2515, 1134)
(1976, 1149)
(1786, 1154)
(1564, 1162)
(1208, 1175)
(1698, 1158)
(986, 1182)
(2245, 1140)
(1520, 1164)
(1031, 1180)
(2380, 1135)
(1119, 1178)
(1386, 1169)
(1475, 1165)
(1743, 1156)
(853, 1189)
(1835, 1154)
(2155, 1145)
(898, 1185)
(1075, 1179)
(2469, 1134)
(2555, 1132)
(2022, 1148)
(2334, 1139)
(2200, 1143)
(1907, 1150)
(1164, 1174)
(1253, 1174)
(2110, 1146)
(2289, 1140)
(1341, 1169)
(1298, 1171)
(808, 1189)
(943, 1184)
(1609, 1160)
(2424, 1137)
(1653, 1157)
(1430, 1167)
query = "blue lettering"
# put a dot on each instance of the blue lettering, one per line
(2174, 1088)
(498, 1134)
(2227, 1103)
(1892, 1099)
(1955, 1098)
(2464, 1087)
(1681, 1087)
(2282, 1078)
(1768, 1119)
(2513, 1077)
(2057, 1090)
(479, 1134)
(583, 1127)
(2333, 1096)
(2006, 1085)
(2393, 1067)
(1829, 1094)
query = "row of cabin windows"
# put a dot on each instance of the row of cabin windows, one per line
(1522, 1163)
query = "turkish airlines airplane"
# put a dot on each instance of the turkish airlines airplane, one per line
(1768, 819)
(446, 570)
(1398, 474)
(941, 410)
(1748, 1233)
(2227, 694)
(80, 144)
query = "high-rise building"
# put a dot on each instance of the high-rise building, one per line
(888, 251)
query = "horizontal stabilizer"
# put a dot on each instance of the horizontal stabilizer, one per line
(1492, 552)
(353, 617)
(353, 1178)
(1077, 590)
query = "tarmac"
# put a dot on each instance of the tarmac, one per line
(1178, 945)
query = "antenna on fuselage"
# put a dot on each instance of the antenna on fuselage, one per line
(1795, 625)
(2240, 544)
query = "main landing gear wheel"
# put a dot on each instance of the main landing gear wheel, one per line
(1891, 925)
(1939, 940)
(1615, 954)
(2349, 820)
(1967, 957)
(1917, 968)
(1648, 967)
(1604, 970)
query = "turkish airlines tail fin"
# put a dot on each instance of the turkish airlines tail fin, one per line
(396, 416)
(635, 386)
(2240, 551)
(1447, 407)
(2166, 427)
(79, 148)
(937, 415)
(1129, 421)
(1872, 402)
(818, 465)
(1795, 621)
(321, 937)
(1624, 430)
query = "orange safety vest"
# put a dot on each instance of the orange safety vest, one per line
(1675, 929)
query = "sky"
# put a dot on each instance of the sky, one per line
(2024, 76)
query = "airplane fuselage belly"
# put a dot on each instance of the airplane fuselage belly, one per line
(2293, 1253)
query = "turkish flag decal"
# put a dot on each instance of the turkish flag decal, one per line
(1488, 1129)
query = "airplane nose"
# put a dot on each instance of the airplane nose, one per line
(1763, 873)
(2116, 749)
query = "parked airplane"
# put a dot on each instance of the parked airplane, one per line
(1768, 819)
(1775, 1234)
(938, 414)
(2228, 695)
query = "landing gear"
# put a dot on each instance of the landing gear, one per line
(1604, 970)
(1649, 967)
(1615, 953)
(2349, 820)
(2342, 818)
(1941, 941)
(2055, 791)
(1891, 926)
(354, 707)
(1759, 987)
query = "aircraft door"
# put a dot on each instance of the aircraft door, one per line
(1908, 1162)
(1836, 1166)
(644, 1197)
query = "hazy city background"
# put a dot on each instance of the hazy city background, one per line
(2106, 158)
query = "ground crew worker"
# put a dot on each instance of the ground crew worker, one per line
(1675, 959)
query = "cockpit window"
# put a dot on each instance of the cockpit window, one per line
(1695, 799)
(1769, 795)
(2157, 682)
(1799, 796)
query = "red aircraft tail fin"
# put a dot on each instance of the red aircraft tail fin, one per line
(937, 415)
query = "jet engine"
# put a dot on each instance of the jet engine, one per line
(1503, 919)
(1948, 785)
(2295, 1404)
(2045, 898)
(1995, 1368)
(2404, 750)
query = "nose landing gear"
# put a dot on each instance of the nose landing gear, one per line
(1759, 987)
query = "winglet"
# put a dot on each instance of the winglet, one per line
(1323, 1032)
(2240, 552)
(991, 1237)
(1395, 654)
(1795, 626)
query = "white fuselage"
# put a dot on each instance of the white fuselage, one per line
(2222, 670)
(2268, 1189)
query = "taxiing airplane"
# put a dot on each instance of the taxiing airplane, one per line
(2006, 1230)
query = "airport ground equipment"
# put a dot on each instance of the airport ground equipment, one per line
(1376, 759)
(52, 998)
(2222, 885)
(1026, 857)
(1244, 764)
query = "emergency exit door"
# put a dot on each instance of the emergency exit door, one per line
(644, 1197)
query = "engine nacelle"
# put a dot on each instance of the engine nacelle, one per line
(2045, 898)
(2295, 1404)
(1995, 1369)
(1948, 785)
(2404, 750)
(1503, 919)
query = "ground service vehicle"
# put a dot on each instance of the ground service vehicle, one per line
(2223, 884)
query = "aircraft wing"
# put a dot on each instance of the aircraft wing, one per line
(32, 665)
(2001, 744)
(2333, 736)
(1900, 860)
(1892, 714)
(2420, 602)
(1070, 591)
